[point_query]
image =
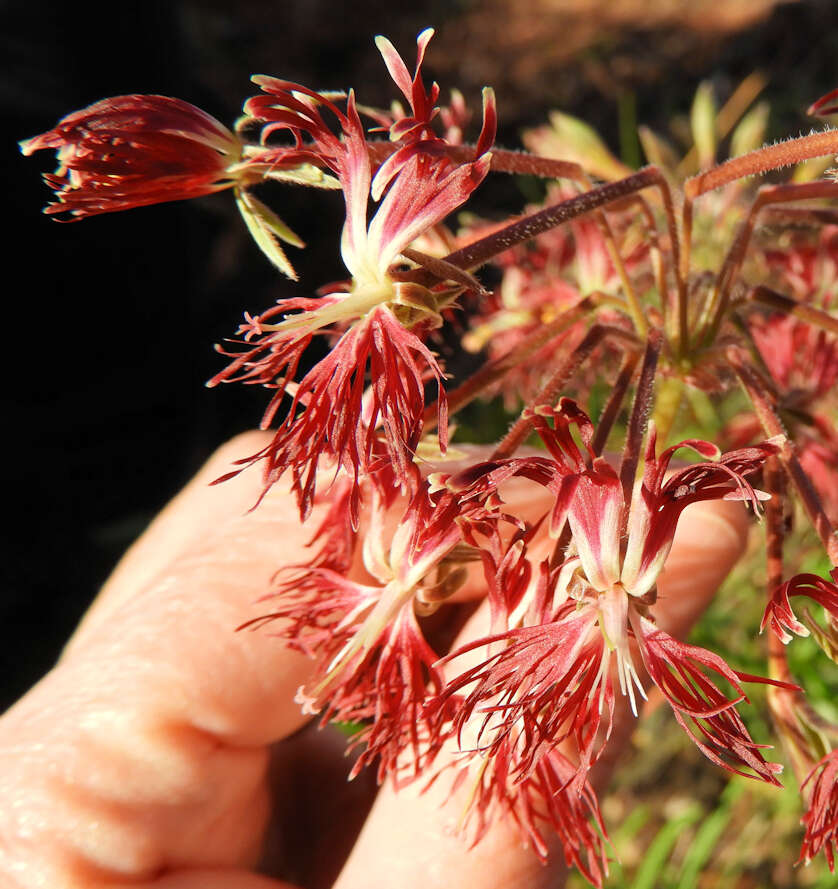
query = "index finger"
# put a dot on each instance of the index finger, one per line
(144, 750)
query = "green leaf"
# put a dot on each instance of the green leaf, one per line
(657, 150)
(305, 174)
(703, 844)
(648, 874)
(826, 638)
(572, 139)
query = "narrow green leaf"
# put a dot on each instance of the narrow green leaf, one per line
(702, 846)
(657, 150)
(627, 115)
(572, 139)
(305, 174)
(654, 861)
(827, 639)
(812, 169)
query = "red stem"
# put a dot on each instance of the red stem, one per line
(640, 412)
(492, 371)
(522, 427)
(615, 401)
(760, 395)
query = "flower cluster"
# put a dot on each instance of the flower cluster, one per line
(651, 303)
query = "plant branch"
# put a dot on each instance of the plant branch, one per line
(817, 317)
(763, 402)
(641, 410)
(522, 427)
(615, 401)
(494, 370)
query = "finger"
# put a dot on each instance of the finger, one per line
(410, 840)
(145, 749)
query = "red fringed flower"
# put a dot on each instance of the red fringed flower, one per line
(129, 151)
(373, 662)
(827, 104)
(681, 671)
(550, 679)
(779, 613)
(335, 414)
(547, 802)
(821, 819)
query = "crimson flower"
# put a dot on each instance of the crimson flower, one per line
(821, 818)
(373, 662)
(551, 678)
(379, 320)
(779, 613)
(803, 361)
(827, 104)
(545, 802)
(129, 151)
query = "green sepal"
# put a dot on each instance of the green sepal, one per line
(572, 139)
(703, 124)
(267, 230)
(817, 744)
(827, 639)
(809, 171)
(305, 174)
(657, 150)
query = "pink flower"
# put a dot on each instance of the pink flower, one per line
(826, 105)
(373, 662)
(821, 819)
(802, 359)
(129, 151)
(542, 279)
(779, 613)
(333, 414)
(550, 679)
(548, 801)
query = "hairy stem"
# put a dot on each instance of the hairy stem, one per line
(522, 427)
(818, 318)
(771, 157)
(763, 402)
(714, 311)
(640, 412)
(481, 251)
(615, 401)
(503, 161)
(494, 370)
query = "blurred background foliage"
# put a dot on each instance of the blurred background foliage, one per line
(111, 322)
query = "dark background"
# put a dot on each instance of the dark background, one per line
(111, 321)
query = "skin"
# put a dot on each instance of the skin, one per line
(163, 745)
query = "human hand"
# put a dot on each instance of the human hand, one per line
(145, 757)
